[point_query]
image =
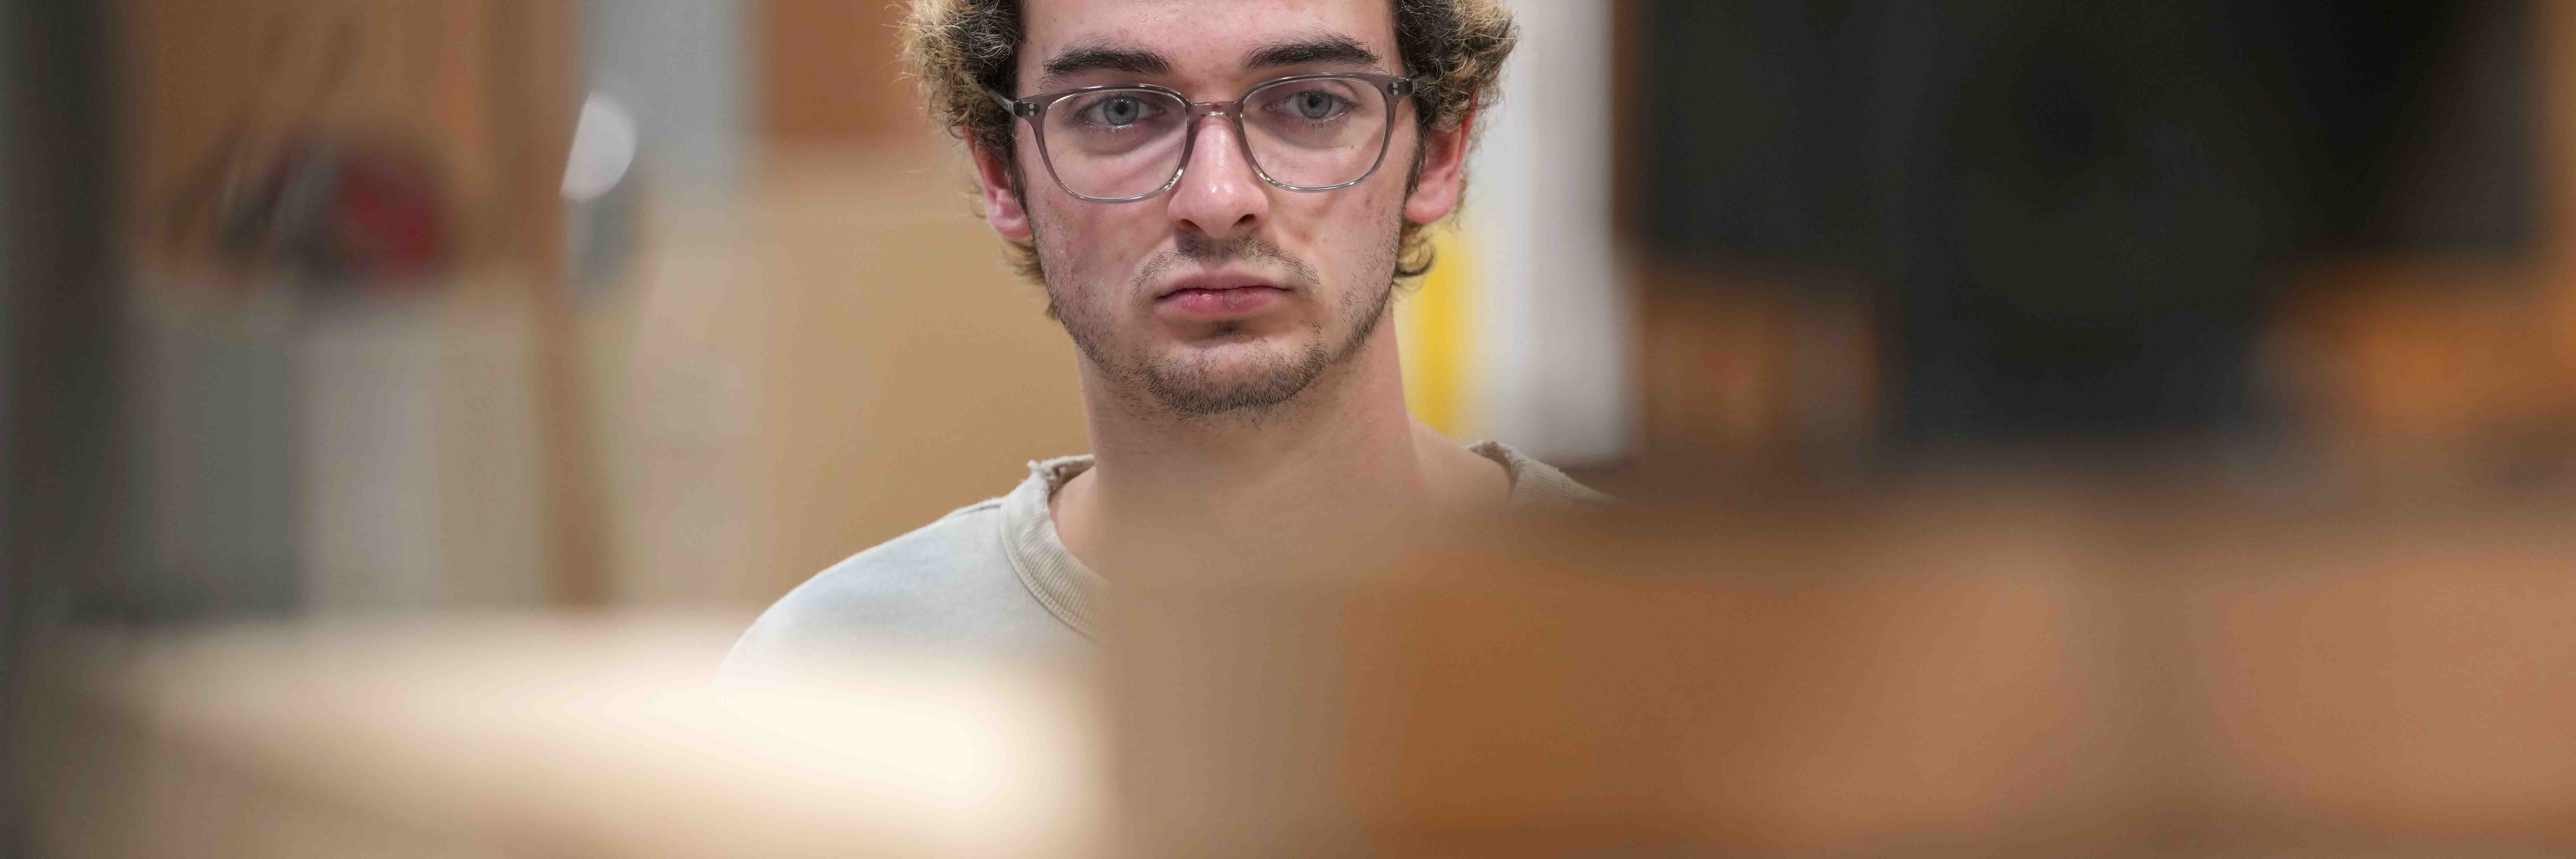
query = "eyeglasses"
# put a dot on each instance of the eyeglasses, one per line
(1127, 142)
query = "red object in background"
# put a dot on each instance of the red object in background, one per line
(387, 217)
(360, 213)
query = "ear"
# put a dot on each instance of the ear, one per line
(1002, 207)
(1444, 163)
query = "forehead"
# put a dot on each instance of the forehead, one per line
(1201, 36)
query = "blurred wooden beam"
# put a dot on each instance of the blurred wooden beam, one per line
(538, 52)
(2556, 35)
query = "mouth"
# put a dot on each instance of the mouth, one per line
(1218, 297)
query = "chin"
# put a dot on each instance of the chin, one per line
(1241, 355)
(1234, 374)
(1237, 344)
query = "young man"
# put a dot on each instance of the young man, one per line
(1219, 197)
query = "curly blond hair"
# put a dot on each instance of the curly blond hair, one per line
(957, 49)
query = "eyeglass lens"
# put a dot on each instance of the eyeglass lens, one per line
(1121, 143)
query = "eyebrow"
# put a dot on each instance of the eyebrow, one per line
(1104, 56)
(1320, 48)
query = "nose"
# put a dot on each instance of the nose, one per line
(1219, 193)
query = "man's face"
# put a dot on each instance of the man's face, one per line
(1226, 293)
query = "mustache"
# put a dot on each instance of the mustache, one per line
(1204, 250)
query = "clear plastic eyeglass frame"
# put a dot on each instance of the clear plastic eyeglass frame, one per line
(1034, 108)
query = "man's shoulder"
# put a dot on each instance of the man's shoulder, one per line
(945, 585)
(920, 559)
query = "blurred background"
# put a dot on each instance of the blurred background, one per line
(413, 327)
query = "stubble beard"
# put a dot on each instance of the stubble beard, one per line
(1203, 385)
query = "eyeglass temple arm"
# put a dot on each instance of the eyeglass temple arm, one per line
(1013, 106)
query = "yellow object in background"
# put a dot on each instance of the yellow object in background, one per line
(1436, 336)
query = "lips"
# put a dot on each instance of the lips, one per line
(1218, 298)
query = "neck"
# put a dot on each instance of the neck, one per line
(1342, 448)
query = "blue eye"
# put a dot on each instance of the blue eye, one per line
(1119, 111)
(1315, 105)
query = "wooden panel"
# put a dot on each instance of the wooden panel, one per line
(1972, 671)
(833, 74)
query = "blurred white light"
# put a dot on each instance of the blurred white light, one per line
(603, 146)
